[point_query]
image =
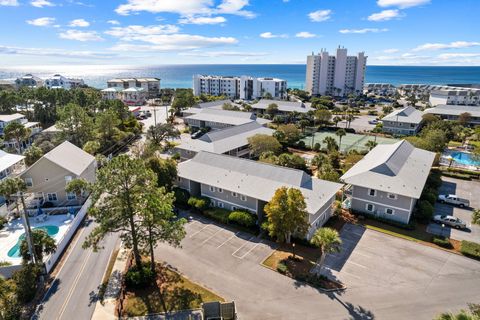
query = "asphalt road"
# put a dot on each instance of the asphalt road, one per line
(73, 294)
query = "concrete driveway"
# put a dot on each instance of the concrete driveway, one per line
(465, 189)
(228, 262)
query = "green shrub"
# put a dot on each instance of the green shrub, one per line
(410, 226)
(316, 146)
(470, 249)
(181, 197)
(26, 282)
(424, 211)
(442, 242)
(136, 279)
(457, 175)
(3, 222)
(242, 218)
(200, 203)
(176, 156)
(301, 144)
(464, 171)
(218, 214)
(429, 195)
(282, 268)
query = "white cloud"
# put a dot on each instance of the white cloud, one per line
(269, 35)
(451, 45)
(401, 3)
(136, 32)
(214, 54)
(393, 50)
(12, 3)
(320, 15)
(42, 3)
(41, 22)
(8, 50)
(113, 22)
(385, 15)
(202, 20)
(362, 31)
(186, 7)
(446, 56)
(79, 23)
(305, 34)
(80, 35)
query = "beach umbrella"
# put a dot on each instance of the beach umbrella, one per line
(39, 212)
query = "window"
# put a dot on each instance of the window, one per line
(234, 194)
(243, 198)
(372, 192)
(220, 190)
(392, 196)
(52, 197)
(389, 211)
(212, 203)
(212, 189)
(68, 179)
(29, 182)
(220, 204)
(71, 196)
(234, 208)
(370, 207)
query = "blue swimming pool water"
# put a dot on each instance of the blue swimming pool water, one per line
(464, 158)
(14, 252)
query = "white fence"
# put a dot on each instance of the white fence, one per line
(62, 244)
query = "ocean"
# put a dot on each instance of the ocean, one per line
(180, 76)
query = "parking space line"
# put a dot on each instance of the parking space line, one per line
(213, 235)
(250, 250)
(233, 235)
(194, 234)
(357, 264)
(243, 245)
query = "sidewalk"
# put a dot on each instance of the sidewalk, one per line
(106, 310)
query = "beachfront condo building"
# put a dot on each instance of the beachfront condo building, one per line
(337, 75)
(151, 86)
(60, 82)
(29, 81)
(244, 87)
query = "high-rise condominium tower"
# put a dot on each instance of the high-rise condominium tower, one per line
(337, 75)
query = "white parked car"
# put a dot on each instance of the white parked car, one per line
(451, 221)
(374, 121)
(453, 199)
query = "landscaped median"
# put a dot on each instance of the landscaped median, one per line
(298, 265)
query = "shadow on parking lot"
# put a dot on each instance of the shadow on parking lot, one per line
(355, 312)
(351, 235)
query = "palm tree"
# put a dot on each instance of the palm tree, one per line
(371, 144)
(42, 244)
(15, 187)
(331, 144)
(336, 120)
(349, 119)
(17, 131)
(328, 240)
(340, 133)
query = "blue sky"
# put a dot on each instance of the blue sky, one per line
(153, 32)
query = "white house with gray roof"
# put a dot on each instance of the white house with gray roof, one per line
(232, 141)
(284, 107)
(47, 178)
(405, 121)
(235, 183)
(219, 119)
(452, 113)
(389, 180)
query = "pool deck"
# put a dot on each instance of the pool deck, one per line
(10, 234)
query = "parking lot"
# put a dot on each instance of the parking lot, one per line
(464, 189)
(370, 257)
(387, 278)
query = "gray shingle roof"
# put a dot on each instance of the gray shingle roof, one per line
(407, 115)
(454, 110)
(70, 157)
(7, 160)
(255, 179)
(284, 106)
(398, 168)
(223, 116)
(221, 141)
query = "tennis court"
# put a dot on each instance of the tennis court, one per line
(349, 142)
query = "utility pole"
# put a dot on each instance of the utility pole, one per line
(155, 114)
(28, 230)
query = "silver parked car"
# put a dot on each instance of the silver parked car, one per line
(453, 199)
(451, 221)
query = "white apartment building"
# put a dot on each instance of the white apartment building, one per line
(6, 119)
(244, 87)
(337, 75)
(60, 82)
(455, 96)
(151, 86)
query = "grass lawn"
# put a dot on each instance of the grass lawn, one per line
(170, 292)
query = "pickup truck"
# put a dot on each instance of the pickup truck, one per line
(453, 199)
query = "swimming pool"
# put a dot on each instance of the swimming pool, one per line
(14, 252)
(464, 158)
